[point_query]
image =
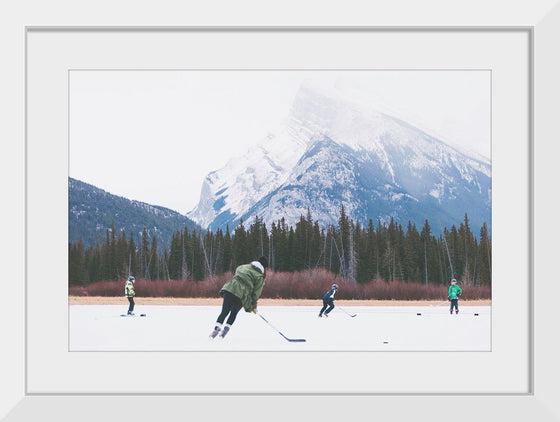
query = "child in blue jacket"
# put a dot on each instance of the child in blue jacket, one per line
(328, 301)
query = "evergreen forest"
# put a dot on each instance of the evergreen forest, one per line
(378, 251)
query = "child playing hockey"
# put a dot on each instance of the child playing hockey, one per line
(129, 293)
(242, 291)
(328, 301)
(453, 296)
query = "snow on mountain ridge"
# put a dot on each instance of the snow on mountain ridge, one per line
(243, 180)
(359, 125)
(396, 151)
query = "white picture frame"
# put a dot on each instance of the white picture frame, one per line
(540, 21)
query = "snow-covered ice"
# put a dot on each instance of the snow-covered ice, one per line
(375, 328)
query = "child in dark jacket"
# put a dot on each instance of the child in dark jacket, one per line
(328, 301)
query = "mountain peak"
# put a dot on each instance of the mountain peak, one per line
(335, 151)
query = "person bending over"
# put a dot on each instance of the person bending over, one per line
(242, 291)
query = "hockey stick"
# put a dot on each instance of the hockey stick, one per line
(289, 339)
(441, 304)
(349, 314)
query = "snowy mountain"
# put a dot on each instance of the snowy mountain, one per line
(335, 151)
(92, 210)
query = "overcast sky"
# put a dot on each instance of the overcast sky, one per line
(153, 136)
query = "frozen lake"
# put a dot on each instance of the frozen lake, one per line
(186, 328)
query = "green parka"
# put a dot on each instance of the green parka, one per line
(454, 292)
(246, 284)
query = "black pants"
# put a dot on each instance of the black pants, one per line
(231, 305)
(454, 304)
(327, 303)
(131, 301)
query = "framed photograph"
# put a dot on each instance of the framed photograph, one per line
(516, 377)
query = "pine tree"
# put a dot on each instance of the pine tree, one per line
(240, 246)
(121, 250)
(106, 258)
(282, 257)
(447, 250)
(228, 252)
(198, 267)
(382, 252)
(77, 274)
(93, 263)
(332, 250)
(315, 245)
(352, 254)
(291, 257)
(144, 254)
(368, 256)
(208, 247)
(485, 256)
(401, 254)
(163, 265)
(343, 244)
(430, 256)
(257, 239)
(132, 262)
(176, 257)
(413, 257)
(219, 253)
(300, 246)
(469, 247)
(184, 274)
(457, 252)
(153, 264)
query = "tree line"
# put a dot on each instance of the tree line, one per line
(378, 251)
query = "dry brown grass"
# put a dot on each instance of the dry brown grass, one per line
(286, 286)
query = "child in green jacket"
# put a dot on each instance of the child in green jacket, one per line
(242, 291)
(453, 296)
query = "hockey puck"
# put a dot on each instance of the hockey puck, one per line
(475, 314)
(385, 342)
(142, 314)
(418, 313)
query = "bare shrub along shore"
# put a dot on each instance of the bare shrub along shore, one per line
(282, 285)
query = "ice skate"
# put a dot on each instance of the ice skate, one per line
(216, 331)
(225, 331)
